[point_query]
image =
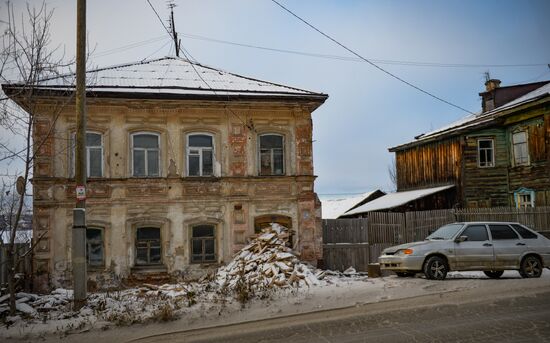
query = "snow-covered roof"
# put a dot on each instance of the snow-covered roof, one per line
(334, 208)
(175, 76)
(392, 200)
(481, 118)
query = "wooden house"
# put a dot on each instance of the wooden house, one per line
(499, 157)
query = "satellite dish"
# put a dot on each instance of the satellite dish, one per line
(20, 185)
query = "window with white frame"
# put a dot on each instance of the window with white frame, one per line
(145, 154)
(200, 154)
(520, 148)
(271, 154)
(94, 154)
(485, 153)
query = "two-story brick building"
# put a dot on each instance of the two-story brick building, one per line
(184, 163)
(499, 157)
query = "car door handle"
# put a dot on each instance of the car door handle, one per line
(487, 245)
(520, 244)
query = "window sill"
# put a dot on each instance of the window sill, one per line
(149, 268)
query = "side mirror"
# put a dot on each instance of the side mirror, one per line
(461, 239)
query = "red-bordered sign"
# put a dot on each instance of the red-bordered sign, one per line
(80, 193)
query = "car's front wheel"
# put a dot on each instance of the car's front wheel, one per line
(530, 267)
(435, 268)
(494, 274)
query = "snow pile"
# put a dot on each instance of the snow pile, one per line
(267, 263)
(31, 304)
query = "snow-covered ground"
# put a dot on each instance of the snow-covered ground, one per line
(188, 306)
(266, 279)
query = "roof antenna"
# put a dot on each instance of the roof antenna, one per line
(177, 42)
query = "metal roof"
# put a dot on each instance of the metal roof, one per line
(474, 120)
(392, 200)
(175, 76)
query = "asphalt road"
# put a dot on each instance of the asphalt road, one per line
(522, 318)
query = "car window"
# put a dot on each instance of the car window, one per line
(502, 232)
(445, 232)
(524, 233)
(476, 233)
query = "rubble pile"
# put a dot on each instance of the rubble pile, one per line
(32, 304)
(266, 263)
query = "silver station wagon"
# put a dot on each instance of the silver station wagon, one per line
(491, 247)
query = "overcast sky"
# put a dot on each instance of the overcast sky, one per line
(367, 111)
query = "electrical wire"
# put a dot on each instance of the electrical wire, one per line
(371, 63)
(354, 59)
(184, 52)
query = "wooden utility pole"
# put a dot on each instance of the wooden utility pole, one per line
(79, 212)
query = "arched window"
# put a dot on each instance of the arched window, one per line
(145, 154)
(203, 243)
(271, 154)
(148, 247)
(94, 154)
(95, 255)
(200, 154)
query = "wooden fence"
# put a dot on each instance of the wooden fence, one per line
(358, 242)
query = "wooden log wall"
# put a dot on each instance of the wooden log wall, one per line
(429, 164)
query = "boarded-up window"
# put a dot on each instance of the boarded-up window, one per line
(520, 148)
(486, 153)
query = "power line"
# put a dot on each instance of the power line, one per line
(354, 59)
(369, 62)
(185, 53)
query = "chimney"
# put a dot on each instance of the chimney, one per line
(488, 97)
(492, 84)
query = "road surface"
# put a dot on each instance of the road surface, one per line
(466, 316)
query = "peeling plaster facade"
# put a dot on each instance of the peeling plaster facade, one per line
(119, 204)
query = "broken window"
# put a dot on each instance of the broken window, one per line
(520, 148)
(94, 247)
(271, 152)
(145, 154)
(94, 154)
(203, 244)
(200, 155)
(148, 248)
(486, 153)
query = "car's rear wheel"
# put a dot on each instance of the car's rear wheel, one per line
(494, 274)
(405, 274)
(435, 268)
(531, 267)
